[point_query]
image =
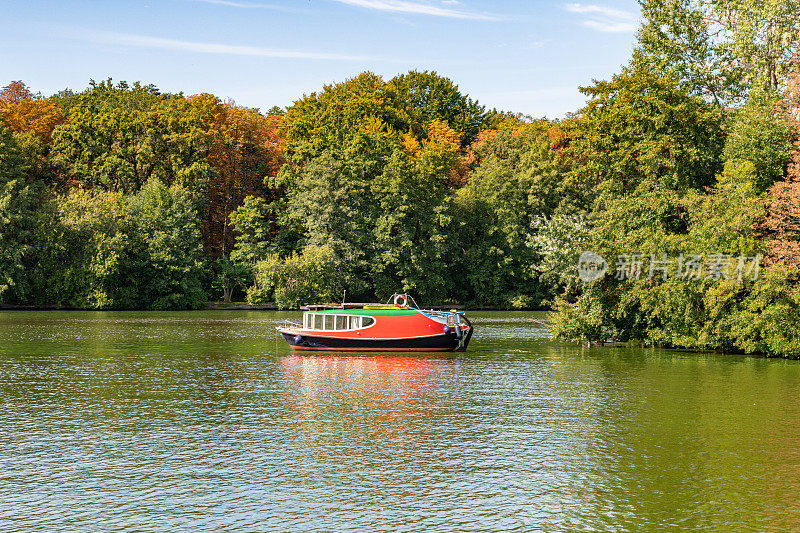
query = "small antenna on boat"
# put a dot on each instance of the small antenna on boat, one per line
(344, 297)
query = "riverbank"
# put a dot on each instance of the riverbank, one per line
(233, 306)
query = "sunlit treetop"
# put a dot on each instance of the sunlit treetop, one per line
(22, 111)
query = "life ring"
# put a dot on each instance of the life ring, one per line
(398, 298)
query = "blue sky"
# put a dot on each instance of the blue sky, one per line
(521, 56)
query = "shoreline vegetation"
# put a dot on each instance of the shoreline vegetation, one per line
(229, 306)
(123, 197)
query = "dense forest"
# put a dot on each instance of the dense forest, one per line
(682, 171)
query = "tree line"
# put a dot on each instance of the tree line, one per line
(121, 196)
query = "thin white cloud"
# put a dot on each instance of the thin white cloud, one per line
(605, 11)
(236, 4)
(604, 18)
(144, 41)
(403, 6)
(251, 5)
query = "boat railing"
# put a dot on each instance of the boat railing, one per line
(451, 317)
(289, 324)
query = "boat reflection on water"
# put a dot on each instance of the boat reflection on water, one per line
(383, 379)
(377, 401)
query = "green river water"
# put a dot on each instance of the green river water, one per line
(203, 421)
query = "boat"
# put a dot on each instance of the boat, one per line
(393, 327)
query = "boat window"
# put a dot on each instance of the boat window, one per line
(319, 321)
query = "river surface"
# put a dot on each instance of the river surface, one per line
(203, 421)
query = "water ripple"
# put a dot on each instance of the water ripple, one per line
(201, 421)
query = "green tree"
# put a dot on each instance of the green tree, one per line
(410, 230)
(639, 127)
(252, 222)
(18, 200)
(760, 133)
(80, 251)
(298, 279)
(167, 253)
(106, 93)
(425, 97)
(346, 118)
(700, 312)
(333, 200)
(118, 138)
(721, 48)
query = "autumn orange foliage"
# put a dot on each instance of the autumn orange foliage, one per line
(21, 111)
(783, 219)
(557, 136)
(247, 150)
(783, 222)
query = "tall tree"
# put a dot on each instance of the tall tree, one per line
(247, 151)
(721, 48)
(333, 201)
(167, 250)
(81, 246)
(641, 127)
(410, 234)
(119, 137)
(22, 111)
(18, 200)
(425, 97)
(345, 118)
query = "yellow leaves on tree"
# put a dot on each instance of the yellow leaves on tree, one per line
(21, 111)
(440, 133)
(446, 143)
(411, 145)
(443, 142)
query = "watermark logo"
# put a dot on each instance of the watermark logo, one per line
(591, 266)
